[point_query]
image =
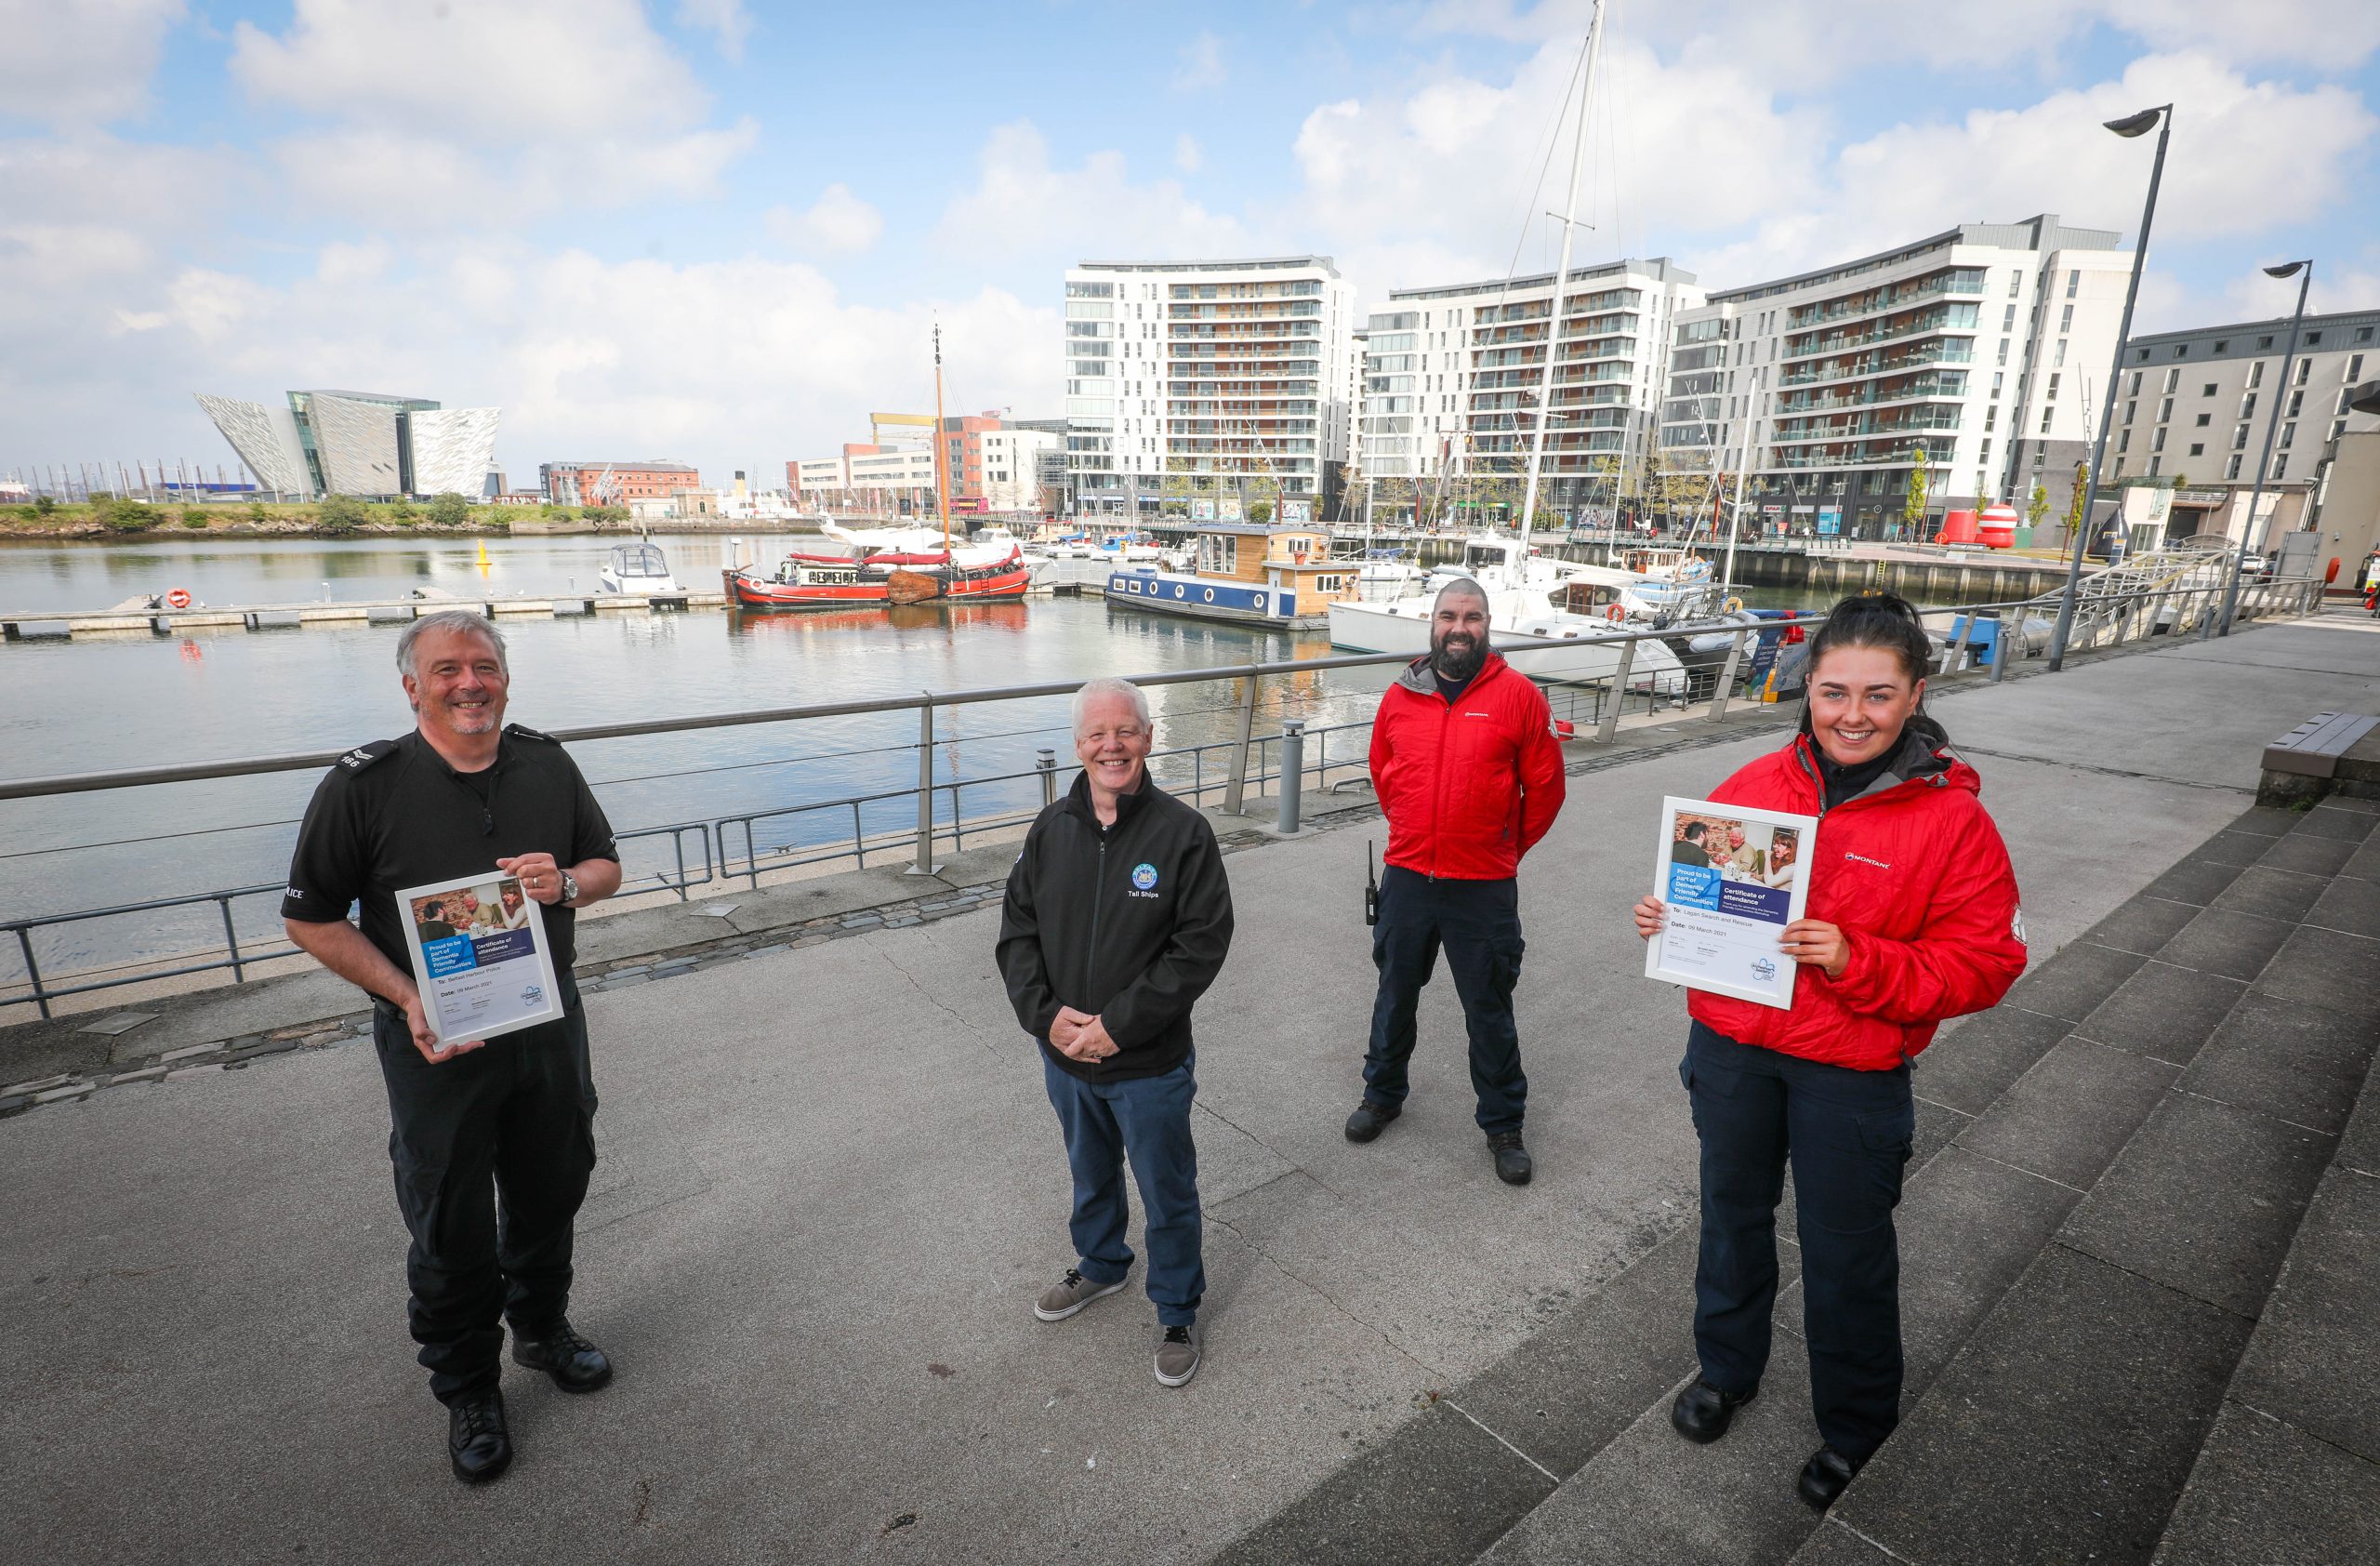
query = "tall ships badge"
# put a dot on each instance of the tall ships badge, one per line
(1732, 879)
(1144, 880)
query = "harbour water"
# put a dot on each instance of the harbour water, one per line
(92, 705)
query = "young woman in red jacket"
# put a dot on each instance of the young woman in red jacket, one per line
(1911, 918)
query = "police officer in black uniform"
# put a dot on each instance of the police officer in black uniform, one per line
(491, 1143)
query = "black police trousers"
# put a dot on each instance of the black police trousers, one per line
(492, 1150)
(1847, 1135)
(1478, 923)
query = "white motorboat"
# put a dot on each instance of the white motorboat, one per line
(639, 568)
(1526, 630)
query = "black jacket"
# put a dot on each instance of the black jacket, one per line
(1128, 922)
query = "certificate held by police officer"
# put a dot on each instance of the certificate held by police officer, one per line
(1731, 879)
(480, 956)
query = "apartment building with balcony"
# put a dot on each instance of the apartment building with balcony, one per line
(1984, 347)
(1200, 378)
(1453, 376)
(2198, 405)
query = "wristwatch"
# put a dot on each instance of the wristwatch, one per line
(569, 889)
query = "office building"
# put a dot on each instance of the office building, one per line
(2197, 406)
(1207, 379)
(369, 444)
(1984, 347)
(613, 484)
(1451, 377)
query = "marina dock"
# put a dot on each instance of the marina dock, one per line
(816, 1229)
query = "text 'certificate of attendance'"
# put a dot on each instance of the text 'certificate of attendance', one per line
(1732, 879)
(480, 957)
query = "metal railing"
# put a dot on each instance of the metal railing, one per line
(702, 852)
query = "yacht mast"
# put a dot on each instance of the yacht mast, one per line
(1561, 287)
(941, 448)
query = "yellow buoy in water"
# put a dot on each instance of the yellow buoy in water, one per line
(483, 557)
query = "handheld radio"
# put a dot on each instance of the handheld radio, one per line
(1371, 888)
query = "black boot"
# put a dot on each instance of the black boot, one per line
(1369, 1120)
(1702, 1413)
(477, 1442)
(1826, 1474)
(1513, 1166)
(575, 1364)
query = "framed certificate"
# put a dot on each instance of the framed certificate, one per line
(1733, 879)
(480, 956)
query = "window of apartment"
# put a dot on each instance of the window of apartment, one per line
(2073, 280)
(2155, 463)
(2016, 282)
(2363, 334)
(2220, 345)
(2345, 392)
(2008, 319)
(2066, 319)
(2060, 357)
(1991, 417)
(2207, 390)
(2197, 448)
(2051, 395)
(2172, 377)
(2263, 343)
(2004, 351)
(2143, 355)
(2296, 404)
(2312, 338)
(2164, 409)
(1997, 377)
(2130, 411)
(2248, 405)
(2123, 440)
(2231, 468)
(2280, 466)
(2181, 350)
(2256, 374)
(2047, 414)
(2354, 369)
(2204, 420)
(2240, 438)
(2117, 471)
(2338, 428)
(2288, 435)
(2135, 385)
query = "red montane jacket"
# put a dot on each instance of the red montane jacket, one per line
(1914, 873)
(1470, 786)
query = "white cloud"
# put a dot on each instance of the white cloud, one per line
(1022, 206)
(425, 130)
(84, 62)
(839, 222)
(1188, 156)
(1199, 65)
(725, 18)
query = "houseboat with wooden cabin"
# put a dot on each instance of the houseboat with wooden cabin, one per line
(1247, 572)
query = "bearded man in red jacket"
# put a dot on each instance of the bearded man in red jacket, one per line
(1470, 777)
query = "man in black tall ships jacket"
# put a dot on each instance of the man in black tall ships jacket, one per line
(1117, 918)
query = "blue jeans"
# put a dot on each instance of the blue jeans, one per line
(1478, 923)
(1849, 1134)
(1149, 1119)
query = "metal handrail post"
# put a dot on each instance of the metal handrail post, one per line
(32, 971)
(1999, 647)
(1292, 772)
(1045, 761)
(1956, 653)
(1727, 675)
(859, 843)
(1235, 789)
(231, 940)
(923, 863)
(1610, 723)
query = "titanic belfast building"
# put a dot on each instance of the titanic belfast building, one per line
(364, 444)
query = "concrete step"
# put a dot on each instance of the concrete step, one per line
(2071, 1424)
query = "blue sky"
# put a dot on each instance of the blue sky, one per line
(723, 231)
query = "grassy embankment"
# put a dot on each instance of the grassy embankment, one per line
(336, 517)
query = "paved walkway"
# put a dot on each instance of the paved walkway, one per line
(830, 1185)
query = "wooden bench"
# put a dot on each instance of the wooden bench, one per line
(2304, 763)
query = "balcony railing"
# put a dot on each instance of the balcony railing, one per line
(1950, 350)
(1937, 320)
(1965, 280)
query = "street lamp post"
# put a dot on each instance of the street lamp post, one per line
(2128, 127)
(2272, 426)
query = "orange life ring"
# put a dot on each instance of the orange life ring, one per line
(177, 599)
(1614, 614)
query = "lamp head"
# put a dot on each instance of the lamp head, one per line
(2136, 124)
(2364, 398)
(2291, 270)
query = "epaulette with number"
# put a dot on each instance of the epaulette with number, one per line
(523, 731)
(364, 755)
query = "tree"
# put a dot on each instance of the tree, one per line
(193, 517)
(2037, 507)
(341, 513)
(403, 513)
(1260, 512)
(1912, 506)
(2074, 518)
(451, 509)
(126, 516)
(43, 505)
(599, 515)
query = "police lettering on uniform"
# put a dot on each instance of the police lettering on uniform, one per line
(492, 1141)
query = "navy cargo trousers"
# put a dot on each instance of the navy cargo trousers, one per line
(1847, 1135)
(1478, 924)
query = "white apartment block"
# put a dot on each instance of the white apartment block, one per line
(1213, 372)
(1452, 376)
(2198, 405)
(1012, 467)
(1985, 345)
